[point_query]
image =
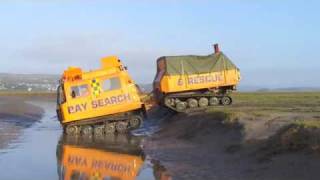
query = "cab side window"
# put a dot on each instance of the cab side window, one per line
(111, 84)
(79, 91)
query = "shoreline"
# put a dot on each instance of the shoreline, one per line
(16, 115)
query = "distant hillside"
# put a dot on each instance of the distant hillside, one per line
(242, 88)
(293, 89)
(28, 82)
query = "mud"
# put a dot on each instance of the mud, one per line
(15, 115)
(18, 108)
(210, 146)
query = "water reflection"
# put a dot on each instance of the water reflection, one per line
(112, 157)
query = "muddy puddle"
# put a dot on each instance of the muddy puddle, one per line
(43, 152)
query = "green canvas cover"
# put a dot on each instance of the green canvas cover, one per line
(177, 65)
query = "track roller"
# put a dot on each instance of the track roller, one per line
(72, 130)
(169, 101)
(135, 122)
(192, 103)
(87, 130)
(122, 126)
(213, 101)
(99, 130)
(226, 100)
(110, 128)
(181, 106)
(203, 102)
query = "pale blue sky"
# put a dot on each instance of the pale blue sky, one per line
(274, 43)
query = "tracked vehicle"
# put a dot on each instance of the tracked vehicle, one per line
(186, 83)
(103, 101)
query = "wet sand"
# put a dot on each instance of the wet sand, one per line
(15, 107)
(16, 114)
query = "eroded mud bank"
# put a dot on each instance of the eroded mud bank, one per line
(221, 145)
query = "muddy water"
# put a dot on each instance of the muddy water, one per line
(42, 152)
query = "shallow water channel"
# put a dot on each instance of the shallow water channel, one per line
(43, 152)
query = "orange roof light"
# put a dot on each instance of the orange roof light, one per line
(72, 74)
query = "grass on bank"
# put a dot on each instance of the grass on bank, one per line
(308, 123)
(273, 102)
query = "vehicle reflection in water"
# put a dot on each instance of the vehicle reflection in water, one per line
(111, 157)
